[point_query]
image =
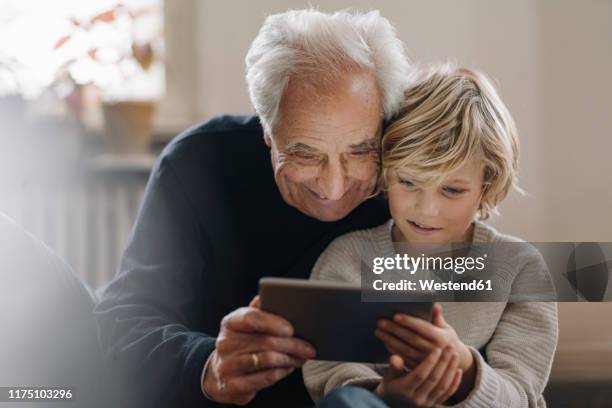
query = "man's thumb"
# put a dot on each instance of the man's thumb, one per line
(256, 302)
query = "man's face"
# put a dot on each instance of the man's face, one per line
(325, 148)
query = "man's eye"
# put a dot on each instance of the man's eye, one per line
(361, 152)
(304, 155)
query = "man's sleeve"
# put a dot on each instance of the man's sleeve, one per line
(147, 313)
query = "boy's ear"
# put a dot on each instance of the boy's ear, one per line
(267, 140)
(480, 199)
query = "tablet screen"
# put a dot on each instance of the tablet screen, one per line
(332, 317)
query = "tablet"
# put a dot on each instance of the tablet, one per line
(332, 317)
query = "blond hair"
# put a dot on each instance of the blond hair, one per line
(450, 116)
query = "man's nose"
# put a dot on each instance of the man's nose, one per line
(427, 204)
(332, 180)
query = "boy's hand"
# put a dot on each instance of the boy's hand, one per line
(432, 382)
(413, 338)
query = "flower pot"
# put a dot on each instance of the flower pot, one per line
(128, 126)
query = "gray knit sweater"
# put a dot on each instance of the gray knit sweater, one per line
(512, 343)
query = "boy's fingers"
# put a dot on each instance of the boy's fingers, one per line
(409, 363)
(436, 376)
(406, 335)
(447, 379)
(420, 374)
(396, 367)
(417, 325)
(453, 387)
(404, 349)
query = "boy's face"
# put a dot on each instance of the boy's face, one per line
(437, 214)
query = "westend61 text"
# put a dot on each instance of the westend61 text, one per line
(432, 285)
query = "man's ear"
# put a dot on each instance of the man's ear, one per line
(267, 140)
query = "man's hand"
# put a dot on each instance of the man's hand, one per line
(431, 383)
(254, 350)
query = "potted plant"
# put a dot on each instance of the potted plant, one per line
(116, 56)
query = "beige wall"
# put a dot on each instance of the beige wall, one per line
(552, 60)
(575, 88)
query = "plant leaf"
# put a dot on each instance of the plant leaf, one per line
(61, 41)
(106, 16)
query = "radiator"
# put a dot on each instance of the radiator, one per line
(86, 221)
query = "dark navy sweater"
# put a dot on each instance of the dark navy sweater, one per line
(211, 224)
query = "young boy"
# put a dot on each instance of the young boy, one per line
(448, 160)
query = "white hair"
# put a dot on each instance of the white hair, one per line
(309, 42)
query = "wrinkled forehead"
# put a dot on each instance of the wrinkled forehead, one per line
(328, 133)
(345, 111)
(317, 83)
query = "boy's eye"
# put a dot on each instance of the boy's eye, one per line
(452, 190)
(406, 183)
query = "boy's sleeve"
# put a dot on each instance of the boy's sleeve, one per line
(516, 363)
(322, 377)
(339, 262)
(514, 369)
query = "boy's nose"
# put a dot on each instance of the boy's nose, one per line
(427, 206)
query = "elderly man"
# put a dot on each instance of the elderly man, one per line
(239, 198)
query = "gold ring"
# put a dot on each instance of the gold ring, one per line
(255, 359)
